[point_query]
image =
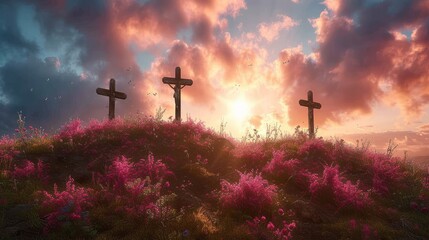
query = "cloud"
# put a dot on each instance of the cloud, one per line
(359, 49)
(12, 42)
(256, 121)
(413, 142)
(42, 93)
(424, 129)
(270, 31)
(98, 38)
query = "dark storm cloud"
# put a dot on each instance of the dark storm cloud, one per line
(48, 97)
(12, 42)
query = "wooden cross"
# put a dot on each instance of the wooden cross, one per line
(310, 105)
(112, 94)
(178, 83)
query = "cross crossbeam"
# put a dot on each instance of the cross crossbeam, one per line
(112, 94)
(310, 105)
(177, 83)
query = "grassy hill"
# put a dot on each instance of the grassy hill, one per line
(149, 179)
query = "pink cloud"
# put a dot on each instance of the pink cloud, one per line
(270, 31)
(256, 121)
(353, 59)
(413, 142)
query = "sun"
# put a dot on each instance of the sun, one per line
(240, 109)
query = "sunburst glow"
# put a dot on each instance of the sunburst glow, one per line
(240, 110)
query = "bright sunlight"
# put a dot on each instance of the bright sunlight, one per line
(240, 109)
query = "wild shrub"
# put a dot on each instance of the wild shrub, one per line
(316, 150)
(330, 188)
(122, 170)
(137, 186)
(251, 193)
(251, 155)
(279, 167)
(71, 129)
(68, 206)
(30, 170)
(387, 173)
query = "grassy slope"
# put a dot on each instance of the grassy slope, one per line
(189, 201)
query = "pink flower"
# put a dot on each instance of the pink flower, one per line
(414, 206)
(27, 170)
(167, 184)
(366, 231)
(270, 226)
(257, 220)
(263, 218)
(353, 224)
(281, 212)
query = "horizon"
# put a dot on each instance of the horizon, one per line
(250, 62)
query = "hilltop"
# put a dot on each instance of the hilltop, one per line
(151, 179)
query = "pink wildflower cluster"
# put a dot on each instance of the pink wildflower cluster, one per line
(122, 171)
(252, 193)
(137, 186)
(330, 187)
(279, 166)
(7, 153)
(201, 161)
(363, 229)
(140, 198)
(315, 149)
(70, 205)
(283, 232)
(71, 129)
(386, 173)
(251, 154)
(29, 169)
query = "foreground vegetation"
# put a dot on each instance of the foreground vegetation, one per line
(150, 179)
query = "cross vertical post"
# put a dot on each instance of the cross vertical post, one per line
(112, 99)
(112, 94)
(310, 105)
(178, 83)
(177, 94)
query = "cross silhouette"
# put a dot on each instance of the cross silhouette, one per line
(112, 94)
(178, 83)
(310, 105)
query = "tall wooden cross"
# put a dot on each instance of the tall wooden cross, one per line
(178, 83)
(112, 94)
(310, 105)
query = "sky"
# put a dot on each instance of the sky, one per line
(251, 61)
